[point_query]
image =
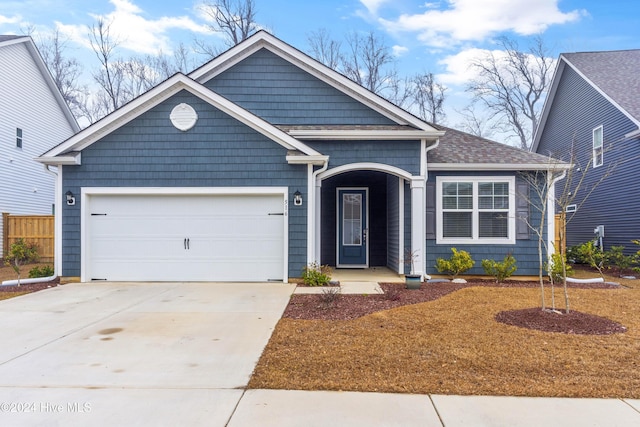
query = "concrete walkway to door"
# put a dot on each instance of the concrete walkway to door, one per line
(133, 353)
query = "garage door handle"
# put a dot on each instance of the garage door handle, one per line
(184, 242)
(188, 243)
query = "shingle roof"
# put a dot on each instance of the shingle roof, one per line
(457, 147)
(4, 38)
(616, 73)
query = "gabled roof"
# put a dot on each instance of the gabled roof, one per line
(459, 150)
(69, 151)
(8, 40)
(614, 74)
(264, 40)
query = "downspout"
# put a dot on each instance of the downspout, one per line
(313, 229)
(55, 268)
(426, 178)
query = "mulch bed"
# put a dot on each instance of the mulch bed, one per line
(346, 307)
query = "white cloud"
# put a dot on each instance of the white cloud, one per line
(133, 30)
(10, 19)
(474, 20)
(399, 50)
(458, 66)
(373, 5)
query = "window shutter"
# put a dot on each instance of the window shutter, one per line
(431, 210)
(522, 209)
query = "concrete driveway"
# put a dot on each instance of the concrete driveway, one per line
(133, 353)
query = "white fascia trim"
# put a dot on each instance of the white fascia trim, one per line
(365, 134)
(307, 160)
(495, 167)
(71, 159)
(380, 167)
(262, 39)
(163, 92)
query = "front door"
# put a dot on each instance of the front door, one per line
(352, 228)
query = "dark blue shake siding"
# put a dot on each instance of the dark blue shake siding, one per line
(577, 109)
(218, 152)
(525, 250)
(282, 93)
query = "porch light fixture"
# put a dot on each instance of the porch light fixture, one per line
(71, 200)
(297, 198)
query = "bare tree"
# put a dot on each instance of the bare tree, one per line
(401, 91)
(476, 123)
(368, 60)
(65, 71)
(512, 86)
(110, 75)
(235, 19)
(325, 49)
(428, 96)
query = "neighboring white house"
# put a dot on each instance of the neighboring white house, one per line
(33, 119)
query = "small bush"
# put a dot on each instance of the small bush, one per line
(500, 270)
(330, 295)
(616, 256)
(392, 293)
(593, 255)
(21, 252)
(316, 275)
(554, 268)
(459, 262)
(44, 271)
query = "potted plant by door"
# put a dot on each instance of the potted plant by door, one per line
(411, 280)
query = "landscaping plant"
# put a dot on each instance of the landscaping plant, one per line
(594, 256)
(500, 270)
(459, 262)
(21, 252)
(315, 274)
(43, 271)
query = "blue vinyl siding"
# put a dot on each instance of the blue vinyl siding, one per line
(576, 110)
(282, 93)
(218, 152)
(401, 154)
(525, 251)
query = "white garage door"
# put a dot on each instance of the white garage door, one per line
(185, 238)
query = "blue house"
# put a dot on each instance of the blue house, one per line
(592, 118)
(263, 161)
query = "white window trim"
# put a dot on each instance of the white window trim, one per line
(595, 154)
(571, 208)
(475, 240)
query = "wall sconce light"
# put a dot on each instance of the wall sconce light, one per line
(71, 200)
(297, 198)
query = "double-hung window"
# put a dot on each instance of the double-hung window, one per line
(475, 210)
(598, 149)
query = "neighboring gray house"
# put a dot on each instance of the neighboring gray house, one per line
(264, 160)
(594, 106)
(33, 119)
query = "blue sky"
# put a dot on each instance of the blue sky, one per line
(435, 36)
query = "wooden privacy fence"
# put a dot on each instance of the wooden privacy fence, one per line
(32, 228)
(560, 228)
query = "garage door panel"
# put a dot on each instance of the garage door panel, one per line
(186, 238)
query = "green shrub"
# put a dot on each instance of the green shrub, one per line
(554, 268)
(593, 256)
(500, 270)
(616, 256)
(316, 275)
(44, 271)
(19, 253)
(459, 262)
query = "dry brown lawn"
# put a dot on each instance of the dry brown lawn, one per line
(453, 345)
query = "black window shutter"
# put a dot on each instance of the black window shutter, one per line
(431, 210)
(522, 209)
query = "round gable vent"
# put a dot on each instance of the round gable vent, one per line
(183, 117)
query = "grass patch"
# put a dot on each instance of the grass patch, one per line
(454, 345)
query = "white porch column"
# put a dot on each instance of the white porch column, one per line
(418, 223)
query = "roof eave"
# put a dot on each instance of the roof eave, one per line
(71, 159)
(365, 134)
(497, 166)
